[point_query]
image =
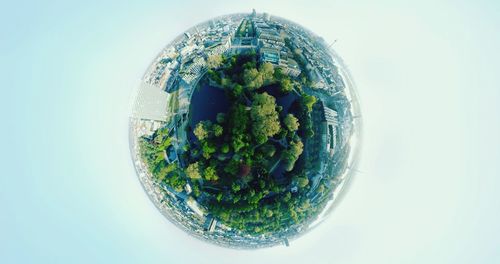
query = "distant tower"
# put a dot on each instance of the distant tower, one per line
(267, 17)
(285, 241)
(254, 14)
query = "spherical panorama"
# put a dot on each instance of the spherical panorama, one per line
(245, 130)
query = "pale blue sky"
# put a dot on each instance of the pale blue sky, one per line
(427, 76)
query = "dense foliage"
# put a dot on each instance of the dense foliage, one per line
(245, 166)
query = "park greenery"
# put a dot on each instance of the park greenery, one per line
(246, 167)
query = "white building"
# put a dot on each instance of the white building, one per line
(151, 103)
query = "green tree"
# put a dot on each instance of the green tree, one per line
(226, 82)
(238, 142)
(237, 90)
(210, 174)
(176, 182)
(224, 148)
(238, 123)
(151, 154)
(232, 167)
(308, 101)
(268, 213)
(160, 176)
(287, 197)
(224, 216)
(304, 205)
(214, 61)
(302, 182)
(235, 187)
(202, 130)
(264, 116)
(164, 171)
(293, 214)
(252, 78)
(238, 119)
(219, 197)
(278, 74)
(250, 65)
(255, 198)
(321, 188)
(291, 154)
(217, 130)
(196, 190)
(193, 171)
(214, 76)
(207, 148)
(267, 72)
(286, 85)
(291, 122)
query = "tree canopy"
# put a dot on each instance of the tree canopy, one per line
(286, 85)
(264, 116)
(291, 122)
(231, 165)
(291, 155)
(214, 61)
(308, 101)
(210, 174)
(217, 130)
(202, 130)
(193, 171)
(252, 78)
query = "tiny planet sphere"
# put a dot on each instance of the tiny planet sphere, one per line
(245, 130)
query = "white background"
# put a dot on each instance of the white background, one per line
(426, 73)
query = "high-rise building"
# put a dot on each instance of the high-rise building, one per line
(331, 123)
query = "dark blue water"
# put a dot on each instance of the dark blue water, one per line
(206, 103)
